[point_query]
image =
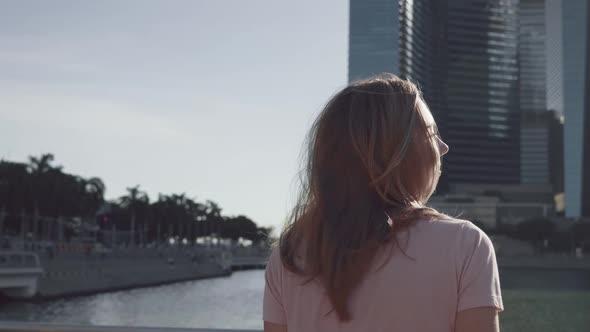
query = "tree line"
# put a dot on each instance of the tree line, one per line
(36, 195)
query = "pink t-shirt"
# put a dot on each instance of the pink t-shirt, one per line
(450, 266)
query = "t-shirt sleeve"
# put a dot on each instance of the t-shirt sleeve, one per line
(479, 280)
(273, 310)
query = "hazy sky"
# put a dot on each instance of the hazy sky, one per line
(211, 98)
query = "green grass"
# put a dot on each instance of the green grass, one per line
(545, 311)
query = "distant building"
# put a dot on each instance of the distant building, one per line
(541, 131)
(568, 84)
(482, 110)
(478, 209)
(541, 149)
(490, 211)
(374, 38)
(464, 56)
(495, 204)
(517, 193)
(554, 54)
(400, 37)
(481, 64)
(532, 56)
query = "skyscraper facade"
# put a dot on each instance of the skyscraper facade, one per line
(532, 56)
(568, 31)
(397, 36)
(463, 54)
(576, 54)
(482, 121)
(374, 38)
(541, 142)
(481, 64)
(423, 48)
(554, 54)
(585, 197)
(541, 154)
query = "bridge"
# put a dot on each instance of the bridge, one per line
(19, 273)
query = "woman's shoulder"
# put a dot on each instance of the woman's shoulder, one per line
(453, 230)
(450, 224)
(275, 259)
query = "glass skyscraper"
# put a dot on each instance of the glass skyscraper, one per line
(463, 54)
(374, 39)
(482, 118)
(532, 56)
(568, 83)
(396, 36)
(538, 138)
(541, 150)
(481, 65)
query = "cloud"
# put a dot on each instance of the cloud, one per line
(88, 116)
(45, 58)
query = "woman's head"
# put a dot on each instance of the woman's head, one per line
(380, 132)
(373, 150)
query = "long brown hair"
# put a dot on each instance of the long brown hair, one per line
(369, 156)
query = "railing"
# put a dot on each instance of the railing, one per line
(45, 327)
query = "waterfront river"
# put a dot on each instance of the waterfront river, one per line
(228, 302)
(236, 302)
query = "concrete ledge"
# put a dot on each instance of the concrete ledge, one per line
(43, 327)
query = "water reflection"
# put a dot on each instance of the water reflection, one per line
(232, 302)
(236, 302)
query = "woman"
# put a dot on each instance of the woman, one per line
(362, 252)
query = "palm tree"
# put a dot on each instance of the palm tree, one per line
(197, 214)
(214, 218)
(181, 213)
(48, 192)
(166, 212)
(134, 201)
(14, 190)
(94, 190)
(158, 212)
(96, 187)
(42, 164)
(44, 176)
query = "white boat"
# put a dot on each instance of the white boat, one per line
(19, 273)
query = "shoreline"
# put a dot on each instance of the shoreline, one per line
(49, 298)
